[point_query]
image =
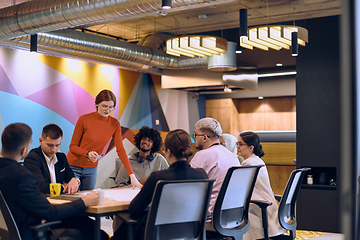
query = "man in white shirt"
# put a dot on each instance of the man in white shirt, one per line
(212, 157)
(48, 165)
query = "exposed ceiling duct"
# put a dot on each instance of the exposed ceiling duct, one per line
(84, 57)
(49, 15)
(42, 16)
(84, 43)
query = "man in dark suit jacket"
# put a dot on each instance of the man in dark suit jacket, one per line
(49, 165)
(22, 194)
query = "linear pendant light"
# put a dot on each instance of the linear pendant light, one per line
(275, 37)
(192, 46)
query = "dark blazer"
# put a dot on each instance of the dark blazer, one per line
(25, 200)
(35, 162)
(180, 170)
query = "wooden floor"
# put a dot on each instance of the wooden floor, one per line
(300, 234)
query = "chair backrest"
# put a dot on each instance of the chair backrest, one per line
(8, 228)
(286, 211)
(230, 215)
(178, 210)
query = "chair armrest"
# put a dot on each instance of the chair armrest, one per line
(278, 197)
(40, 229)
(261, 204)
(130, 223)
(264, 215)
(127, 218)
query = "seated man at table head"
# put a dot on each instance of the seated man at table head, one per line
(49, 165)
(212, 157)
(23, 196)
(177, 152)
(144, 161)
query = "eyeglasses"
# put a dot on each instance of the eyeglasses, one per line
(111, 108)
(196, 135)
(239, 144)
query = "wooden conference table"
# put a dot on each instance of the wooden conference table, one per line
(116, 200)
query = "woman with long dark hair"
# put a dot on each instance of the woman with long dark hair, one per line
(250, 149)
(177, 152)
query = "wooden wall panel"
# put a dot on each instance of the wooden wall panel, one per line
(269, 114)
(225, 111)
(279, 153)
(279, 176)
(278, 113)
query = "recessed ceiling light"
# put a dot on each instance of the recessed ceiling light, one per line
(260, 97)
(238, 51)
(279, 64)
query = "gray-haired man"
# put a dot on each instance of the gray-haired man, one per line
(213, 158)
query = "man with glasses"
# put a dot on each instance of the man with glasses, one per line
(212, 157)
(48, 165)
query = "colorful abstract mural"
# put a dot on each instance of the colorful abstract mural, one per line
(143, 107)
(37, 90)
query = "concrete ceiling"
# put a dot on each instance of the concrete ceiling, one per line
(211, 17)
(217, 17)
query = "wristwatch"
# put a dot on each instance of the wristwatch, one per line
(87, 154)
(78, 181)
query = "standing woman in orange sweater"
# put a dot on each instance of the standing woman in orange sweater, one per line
(92, 132)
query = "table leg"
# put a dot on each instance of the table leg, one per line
(97, 228)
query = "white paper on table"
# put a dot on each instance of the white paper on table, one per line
(121, 194)
(118, 194)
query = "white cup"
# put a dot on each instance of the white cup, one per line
(310, 179)
(101, 195)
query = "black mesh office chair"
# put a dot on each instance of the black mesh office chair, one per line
(286, 212)
(8, 228)
(230, 214)
(178, 210)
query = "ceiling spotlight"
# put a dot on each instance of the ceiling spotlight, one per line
(279, 64)
(243, 22)
(227, 89)
(238, 49)
(294, 44)
(33, 43)
(260, 97)
(166, 4)
(202, 16)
